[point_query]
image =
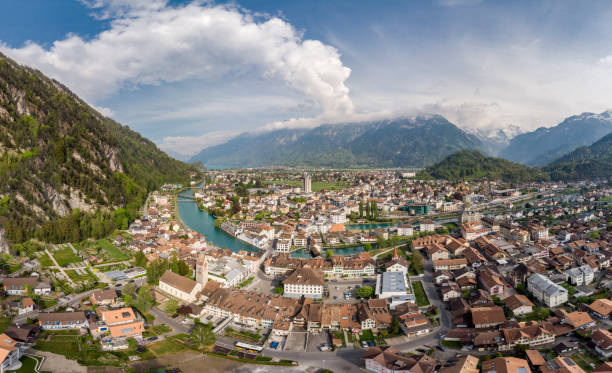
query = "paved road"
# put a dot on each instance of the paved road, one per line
(162, 318)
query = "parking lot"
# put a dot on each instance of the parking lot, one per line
(296, 341)
(316, 340)
(337, 289)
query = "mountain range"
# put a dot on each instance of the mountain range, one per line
(544, 145)
(58, 155)
(587, 162)
(400, 142)
(403, 142)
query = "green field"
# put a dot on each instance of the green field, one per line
(113, 252)
(65, 256)
(606, 199)
(76, 348)
(28, 365)
(74, 276)
(45, 261)
(419, 294)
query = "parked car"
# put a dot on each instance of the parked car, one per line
(364, 344)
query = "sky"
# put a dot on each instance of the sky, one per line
(191, 74)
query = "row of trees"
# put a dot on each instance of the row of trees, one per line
(370, 208)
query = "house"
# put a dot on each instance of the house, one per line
(304, 281)
(532, 335)
(179, 287)
(62, 320)
(389, 359)
(535, 358)
(26, 305)
(10, 353)
(492, 283)
(546, 291)
(561, 364)
(103, 297)
(435, 251)
(601, 308)
(466, 364)
(519, 304)
(26, 333)
(603, 342)
(506, 365)
(488, 317)
(578, 320)
(449, 264)
(20, 285)
(450, 290)
(405, 230)
(582, 275)
(427, 225)
(397, 264)
(122, 323)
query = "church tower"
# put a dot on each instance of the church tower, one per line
(201, 270)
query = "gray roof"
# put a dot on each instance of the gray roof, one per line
(393, 282)
(544, 285)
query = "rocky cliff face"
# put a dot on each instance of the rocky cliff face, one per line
(4, 245)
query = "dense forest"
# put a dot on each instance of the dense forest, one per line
(471, 165)
(587, 162)
(68, 172)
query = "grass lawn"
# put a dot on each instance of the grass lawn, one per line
(112, 250)
(167, 346)
(28, 363)
(76, 348)
(4, 323)
(74, 276)
(44, 260)
(65, 256)
(451, 226)
(46, 302)
(584, 359)
(419, 293)
(366, 335)
(606, 199)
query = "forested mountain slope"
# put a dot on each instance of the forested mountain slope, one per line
(58, 155)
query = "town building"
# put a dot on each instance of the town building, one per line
(304, 281)
(62, 320)
(546, 291)
(179, 287)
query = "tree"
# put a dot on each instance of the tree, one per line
(278, 290)
(171, 306)
(145, 300)
(417, 261)
(368, 211)
(155, 270)
(519, 350)
(202, 335)
(367, 246)
(365, 292)
(140, 259)
(374, 209)
(361, 209)
(329, 253)
(395, 326)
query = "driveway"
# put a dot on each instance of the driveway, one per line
(162, 318)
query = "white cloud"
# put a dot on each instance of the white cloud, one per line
(190, 145)
(151, 43)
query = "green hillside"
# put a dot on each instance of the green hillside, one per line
(471, 165)
(68, 172)
(587, 162)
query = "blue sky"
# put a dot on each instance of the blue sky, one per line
(191, 74)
